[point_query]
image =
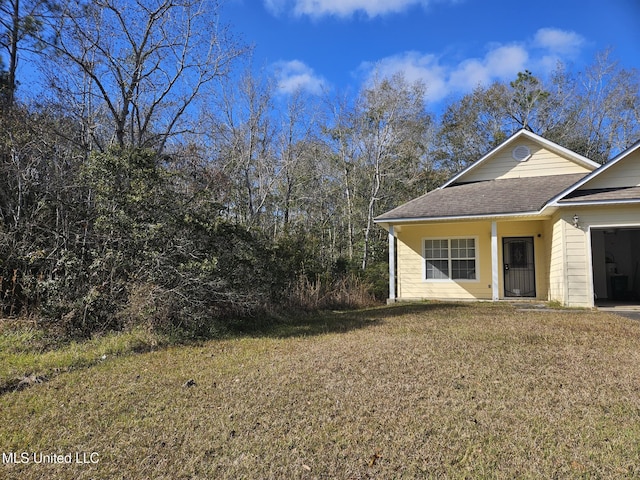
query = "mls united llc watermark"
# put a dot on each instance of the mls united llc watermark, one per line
(82, 458)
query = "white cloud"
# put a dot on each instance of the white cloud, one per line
(557, 45)
(415, 67)
(559, 42)
(501, 62)
(506, 61)
(340, 8)
(441, 80)
(295, 75)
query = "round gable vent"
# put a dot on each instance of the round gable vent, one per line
(521, 153)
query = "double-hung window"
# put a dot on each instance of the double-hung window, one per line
(450, 258)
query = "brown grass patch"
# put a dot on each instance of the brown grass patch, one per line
(443, 391)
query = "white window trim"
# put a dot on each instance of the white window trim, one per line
(451, 280)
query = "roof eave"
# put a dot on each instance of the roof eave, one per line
(589, 203)
(458, 218)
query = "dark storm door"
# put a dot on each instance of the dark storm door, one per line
(519, 267)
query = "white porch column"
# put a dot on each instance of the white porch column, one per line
(495, 264)
(392, 265)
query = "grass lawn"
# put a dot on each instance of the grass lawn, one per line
(408, 391)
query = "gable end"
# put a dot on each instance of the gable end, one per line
(507, 161)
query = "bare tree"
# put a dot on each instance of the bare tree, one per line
(392, 126)
(139, 66)
(378, 144)
(297, 153)
(243, 135)
(608, 102)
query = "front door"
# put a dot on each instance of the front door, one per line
(519, 267)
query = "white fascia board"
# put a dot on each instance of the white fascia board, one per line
(598, 202)
(459, 218)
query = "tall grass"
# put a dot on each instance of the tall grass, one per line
(325, 293)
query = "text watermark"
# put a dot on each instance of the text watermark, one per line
(75, 458)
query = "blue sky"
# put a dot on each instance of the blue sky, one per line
(452, 45)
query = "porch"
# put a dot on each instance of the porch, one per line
(505, 258)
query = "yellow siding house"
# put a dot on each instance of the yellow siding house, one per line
(529, 220)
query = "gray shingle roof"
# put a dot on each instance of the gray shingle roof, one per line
(493, 197)
(603, 194)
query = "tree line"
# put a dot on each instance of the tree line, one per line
(158, 179)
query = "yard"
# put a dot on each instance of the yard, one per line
(408, 391)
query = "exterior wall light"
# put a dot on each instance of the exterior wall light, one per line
(576, 221)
